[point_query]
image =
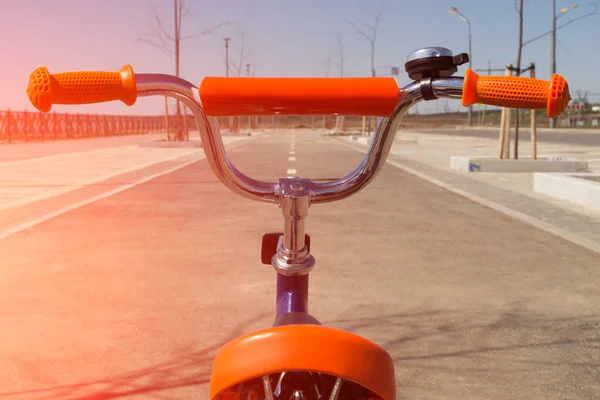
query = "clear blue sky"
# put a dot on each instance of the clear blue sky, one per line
(286, 38)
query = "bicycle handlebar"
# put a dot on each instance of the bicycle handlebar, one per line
(83, 87)
(354, 96)
(517, 92)
(299, 96)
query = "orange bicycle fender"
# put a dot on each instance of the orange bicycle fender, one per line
(308, 348)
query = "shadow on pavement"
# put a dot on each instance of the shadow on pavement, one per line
(190, 366)
(493, 352)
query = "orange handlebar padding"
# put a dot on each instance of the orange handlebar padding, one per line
(299, 96)
(84, 87)
(517, 92)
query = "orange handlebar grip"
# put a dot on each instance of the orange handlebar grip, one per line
(84, 87)
(517, 92)
(299, 96)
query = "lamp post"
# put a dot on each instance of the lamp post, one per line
(227, 55)
(454, 10)
(249, 116)
(229, 122)
(555, 16)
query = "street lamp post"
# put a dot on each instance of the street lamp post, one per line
(553, 53)
(229, 121)
(249, 116)
(454, 10)
(227, 55)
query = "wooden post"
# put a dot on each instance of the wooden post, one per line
(186, 133)
(8, 125)
(502, 134)
(533, 125)
(507, 133)
(507, 123)
(364, 122)
(167, 119)
(502, 140)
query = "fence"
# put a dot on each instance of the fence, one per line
(290, 121)
(23, 126)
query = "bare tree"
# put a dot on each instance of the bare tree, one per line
(170, 44)
(244, 53)
(236, 65)
(341, 56)
(369, 32)
(329, 62)
(519, 9)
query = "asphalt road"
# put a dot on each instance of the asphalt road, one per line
(129, 297)
(568, 136)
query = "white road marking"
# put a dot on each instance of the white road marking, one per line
(64, 188)
(29, 224)
(54, 214)
(291, 158)
(292, 152)
(291, 171)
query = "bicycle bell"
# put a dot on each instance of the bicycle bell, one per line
(433, 62)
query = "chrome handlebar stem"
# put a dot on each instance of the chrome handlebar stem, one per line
(320, 192)
(180, 89)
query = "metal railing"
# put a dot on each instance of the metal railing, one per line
(23, 126)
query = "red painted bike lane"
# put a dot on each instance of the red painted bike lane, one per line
(24, 151)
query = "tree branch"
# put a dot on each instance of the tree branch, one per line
(208, 31)
(564, 48)
(377, 20)
(364, 24)
(165, 49)
(160, 26)
(185, 7)
(357, 29)
(341, 54)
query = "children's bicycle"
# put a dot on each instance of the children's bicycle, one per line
(298, 358)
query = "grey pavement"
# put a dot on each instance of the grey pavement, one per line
(131, 295)
(589, 137)
(427, 155)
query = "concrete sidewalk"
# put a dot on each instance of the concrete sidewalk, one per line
(25, 181)
(428, 156)
(23, 151)
(35, 189)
